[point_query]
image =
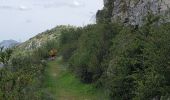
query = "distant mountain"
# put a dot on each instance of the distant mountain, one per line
(1, 65)
(8, 43)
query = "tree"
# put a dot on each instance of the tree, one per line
(5, 55)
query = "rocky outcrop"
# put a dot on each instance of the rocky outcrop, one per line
(133, 11)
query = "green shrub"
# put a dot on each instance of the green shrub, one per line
(93, 46)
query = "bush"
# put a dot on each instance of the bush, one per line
(93, 46)
(43, 52)
(138, 67)
(68, 42)
(23, 79)
(129, 63)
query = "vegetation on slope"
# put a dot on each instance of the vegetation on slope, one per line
(42, 38)
(125, 62)
(23, 74)
(130, 63)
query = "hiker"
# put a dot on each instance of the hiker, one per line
(53, 54)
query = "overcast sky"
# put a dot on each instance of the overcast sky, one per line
(22, 19)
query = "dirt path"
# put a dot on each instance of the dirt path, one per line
(65, 86)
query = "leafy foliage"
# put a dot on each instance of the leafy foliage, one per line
(22, 77)
(68, 42)
(92, 48)
(5, 55)
(127, 63)
(130, 63)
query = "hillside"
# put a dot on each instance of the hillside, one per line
(42, 38)
(109, 60)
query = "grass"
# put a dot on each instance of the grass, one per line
(65, 86)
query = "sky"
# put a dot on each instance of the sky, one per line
(23, 19)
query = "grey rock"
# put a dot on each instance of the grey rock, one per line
(133, 11)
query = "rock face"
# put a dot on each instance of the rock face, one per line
(133, 11)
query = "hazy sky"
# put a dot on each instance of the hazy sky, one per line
(22, 19)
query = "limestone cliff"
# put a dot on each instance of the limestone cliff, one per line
(131, 11)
